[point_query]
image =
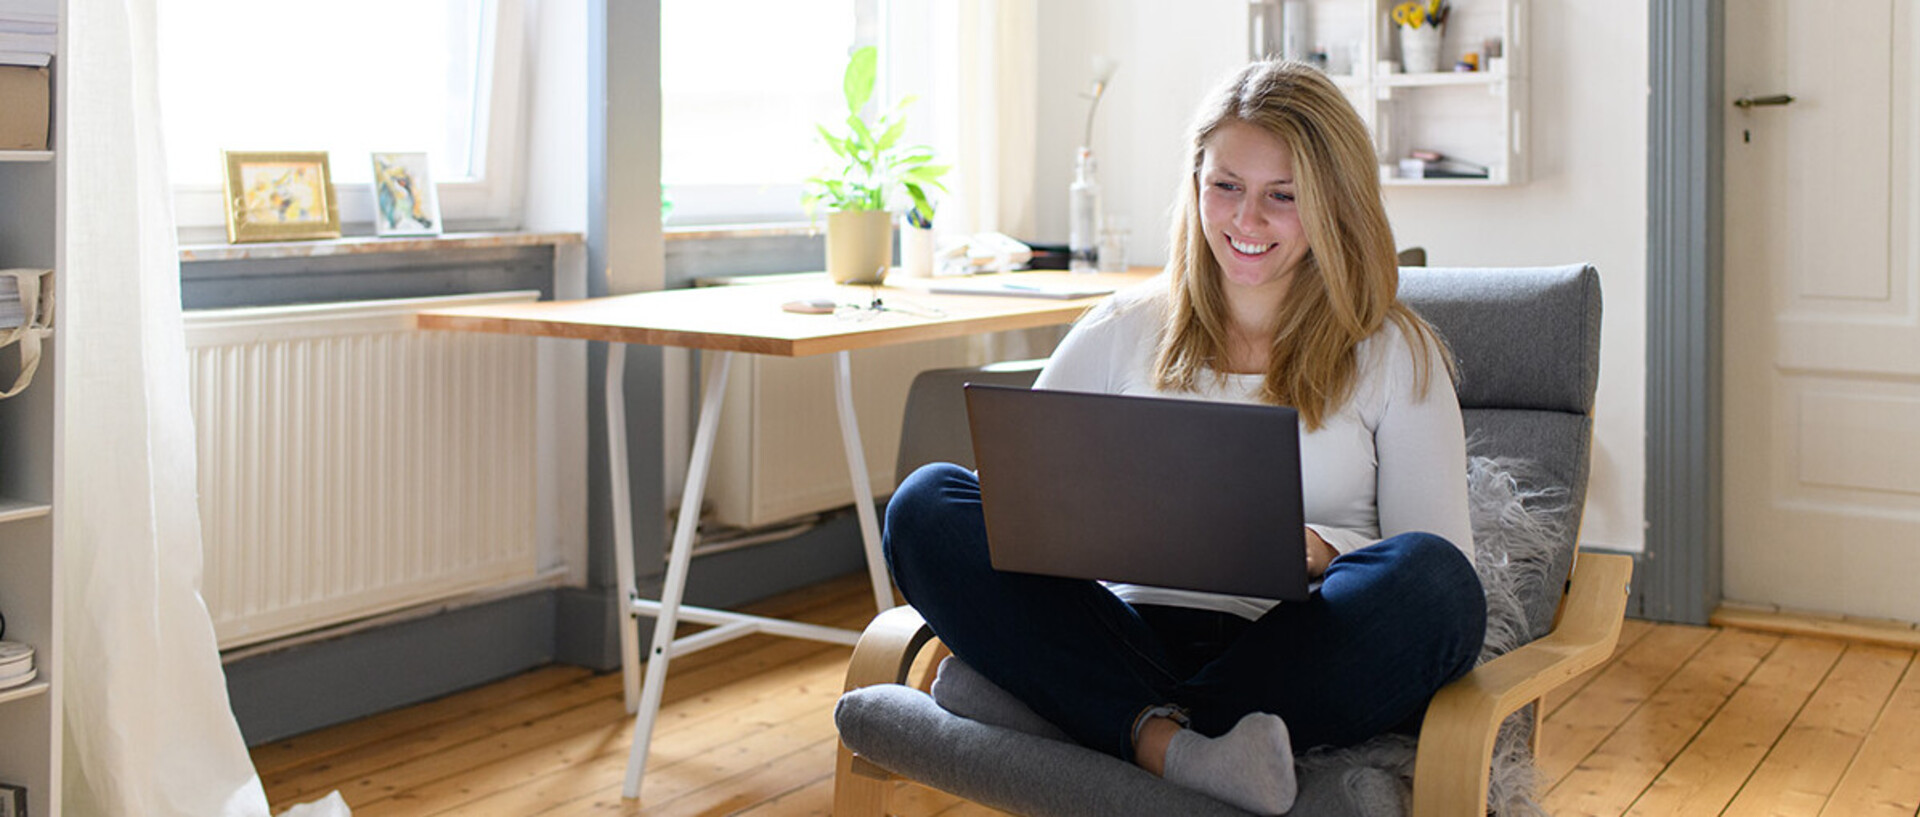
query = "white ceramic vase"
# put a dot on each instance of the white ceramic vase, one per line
(1420, 49)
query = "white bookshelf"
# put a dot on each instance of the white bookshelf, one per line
(1478, 117)
(31, 231)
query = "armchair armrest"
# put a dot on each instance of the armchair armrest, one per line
(884, 655)
(1456, 739)
(885, 652)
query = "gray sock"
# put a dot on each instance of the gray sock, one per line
(1250, 766)
(962, 690)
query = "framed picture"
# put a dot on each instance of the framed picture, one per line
(274, 196)
(404, 202)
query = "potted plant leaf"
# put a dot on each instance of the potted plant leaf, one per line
(875, 173)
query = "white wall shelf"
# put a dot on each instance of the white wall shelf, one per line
(1475, 117)
(32, 229)
(24, 691)
(16, 509)
(1439, 78)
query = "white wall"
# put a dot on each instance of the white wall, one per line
(1585, 200)
(556, 182)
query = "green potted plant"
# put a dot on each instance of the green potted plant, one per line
(874, 171)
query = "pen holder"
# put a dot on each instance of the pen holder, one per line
(1420, 49)
(916, 251)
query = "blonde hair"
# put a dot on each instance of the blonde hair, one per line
(1343, 290)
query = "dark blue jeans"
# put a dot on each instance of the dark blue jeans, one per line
(1389, 626)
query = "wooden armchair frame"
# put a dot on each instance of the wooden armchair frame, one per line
(1451, 766)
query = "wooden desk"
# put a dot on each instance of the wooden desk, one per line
(749, 319)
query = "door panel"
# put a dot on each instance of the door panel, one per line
(1821, 412)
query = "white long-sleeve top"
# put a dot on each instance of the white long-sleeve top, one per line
(1389, 462)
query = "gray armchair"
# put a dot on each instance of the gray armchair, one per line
(1527, 343)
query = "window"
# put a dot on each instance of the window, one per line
(350, 77)
(739, 102)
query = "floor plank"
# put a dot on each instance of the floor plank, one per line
(1585, 720)
(1885, 776)
(1680, 721)
(303, 750)
(1627, 762)
(1808, 761)
(1707, 775)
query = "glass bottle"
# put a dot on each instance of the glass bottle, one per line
(1083, 216)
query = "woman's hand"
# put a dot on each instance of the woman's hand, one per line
(1319, 554)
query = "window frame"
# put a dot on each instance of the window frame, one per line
(493, 202)
(701, 207)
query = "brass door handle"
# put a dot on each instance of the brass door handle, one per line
(1746, 102)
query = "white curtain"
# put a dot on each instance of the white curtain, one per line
(148, 729)
(985, 101)
(980, 77)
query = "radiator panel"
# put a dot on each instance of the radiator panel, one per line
(777, 451)
(350, 465)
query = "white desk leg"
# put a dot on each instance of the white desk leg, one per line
(862, 486)
(622, 499)
(677, 562)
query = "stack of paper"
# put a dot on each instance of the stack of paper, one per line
(16, 664)
(28, 29)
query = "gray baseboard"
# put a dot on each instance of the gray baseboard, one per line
(288, 692)
(299, 689)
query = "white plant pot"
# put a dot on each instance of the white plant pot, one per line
(916, 251)
(1420, 49)
(859, 246)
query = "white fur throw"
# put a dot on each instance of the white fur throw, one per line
(1516, 528)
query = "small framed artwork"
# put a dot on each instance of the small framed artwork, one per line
(404, 201)
(275, 196)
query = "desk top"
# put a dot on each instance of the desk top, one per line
(749, 318)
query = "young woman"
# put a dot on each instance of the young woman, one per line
(1281, 289)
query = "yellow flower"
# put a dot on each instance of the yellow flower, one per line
(1415, 13)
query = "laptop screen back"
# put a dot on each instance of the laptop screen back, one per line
(1189, 494)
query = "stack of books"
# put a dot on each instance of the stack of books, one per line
(16, 664)
(28, 30)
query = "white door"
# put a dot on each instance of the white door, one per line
(1821, 406)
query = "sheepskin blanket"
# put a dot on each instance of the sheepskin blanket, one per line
(1517, 527)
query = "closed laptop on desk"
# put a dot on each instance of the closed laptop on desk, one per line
(1188, 494)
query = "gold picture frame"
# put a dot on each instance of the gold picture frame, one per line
(279, 196)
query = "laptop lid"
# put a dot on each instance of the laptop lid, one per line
(1189, 494)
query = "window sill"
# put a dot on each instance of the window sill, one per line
(709, 232)
(369, 245)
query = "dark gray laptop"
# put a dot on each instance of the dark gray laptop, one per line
(1189, 494)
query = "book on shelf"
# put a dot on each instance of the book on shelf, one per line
(29, 30)
(24, 107)
(41, 42)
(33, 11)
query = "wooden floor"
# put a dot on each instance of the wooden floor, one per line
(1683, 720)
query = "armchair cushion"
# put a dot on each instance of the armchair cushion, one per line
(1532, 336)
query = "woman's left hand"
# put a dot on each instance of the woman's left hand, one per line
(1319, 554)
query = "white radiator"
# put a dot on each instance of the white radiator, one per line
(778, 454)
(352, 465)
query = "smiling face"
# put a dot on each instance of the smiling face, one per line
(1248, 212)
